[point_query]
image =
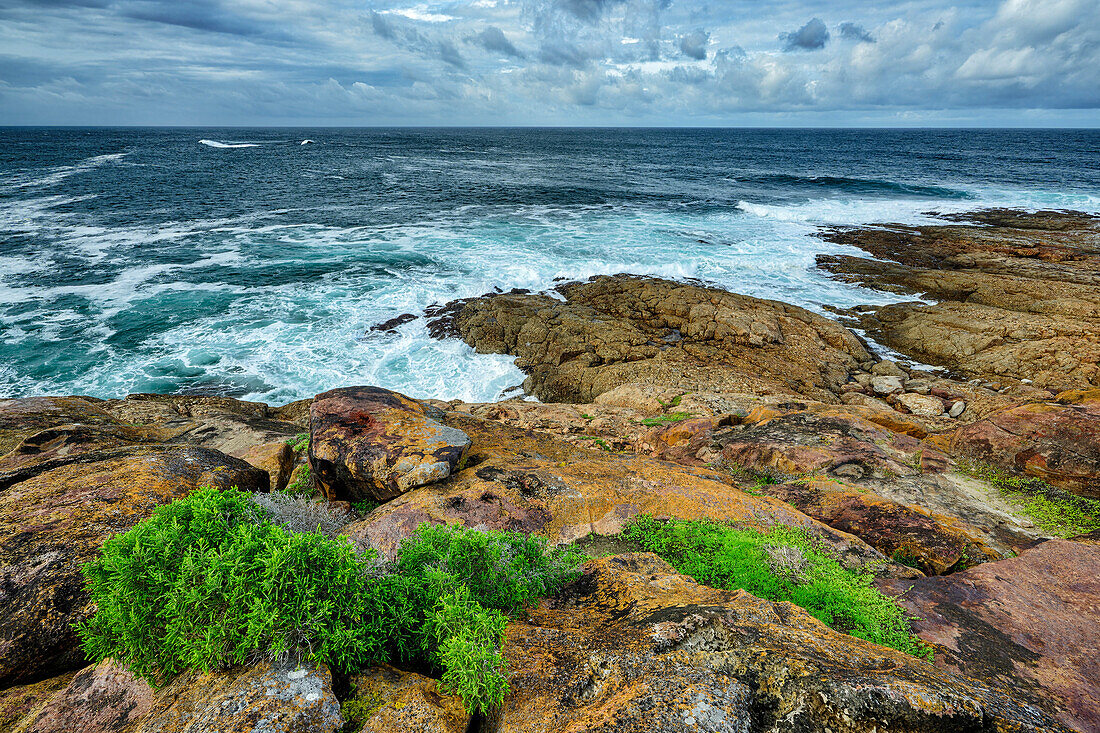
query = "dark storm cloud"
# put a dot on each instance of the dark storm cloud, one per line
(810, 37)
(694, 44)
(493, 39)
(855, 32)
(201, 15)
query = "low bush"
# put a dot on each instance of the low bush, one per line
(298, 513)
(782, 564)
(666, 419)
(214, 579)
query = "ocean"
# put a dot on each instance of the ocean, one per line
(242, 262)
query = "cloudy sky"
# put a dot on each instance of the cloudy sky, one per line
(552, 62)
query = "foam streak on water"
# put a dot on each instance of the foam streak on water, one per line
(253, 265)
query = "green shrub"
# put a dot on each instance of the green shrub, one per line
(299, 442)
(303, 485)
(503, 570)
(783, 564)
(211, 580)
(466, 636)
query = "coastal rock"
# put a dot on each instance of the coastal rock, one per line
(388, 700)
(102, 698)
(894, 477)
(1059, 443)
(1026, 625)
(884, 385)
(1018, 294)
(935, 544)
(55, 516)
(918, 404)
(633, 646)
(615, 330)
(535, 483)
(22, 704)
(370, 443)
(263, 698)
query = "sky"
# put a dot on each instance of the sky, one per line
(1031, 63)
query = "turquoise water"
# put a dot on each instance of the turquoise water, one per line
(244, 263)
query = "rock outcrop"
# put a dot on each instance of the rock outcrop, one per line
(368, 443)
(1018, 294)
(611, 331)
(633, 646)
(387, 700)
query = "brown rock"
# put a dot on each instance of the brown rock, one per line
(633, 646)
(21, 704)
(535, 483)
(1026, 625)
(615, 330)
(370, 443)
(1019, 295)
(53, 519)
(1059, 443)
(102, 698)
(389, 700)
(919, 404)
(265, 698)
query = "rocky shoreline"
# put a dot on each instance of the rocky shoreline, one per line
(965, 481)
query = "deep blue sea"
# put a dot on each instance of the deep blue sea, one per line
(242, 262)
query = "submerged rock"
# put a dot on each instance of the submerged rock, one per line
(634, 646)
(370, 443)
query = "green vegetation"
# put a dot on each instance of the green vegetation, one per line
(303, 483)
(210, 581)
(665, 419)
(674, 402)
(299, 442)
(1056, 512)
(783, 564)
(599, 442)
(365, 507)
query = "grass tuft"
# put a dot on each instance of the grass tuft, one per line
(672, 417)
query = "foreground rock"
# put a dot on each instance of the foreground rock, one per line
(616, 330)
(370, 443)
(633, 646)
(531, 482)
(1027, 624)
(56, 518)
(388, 700)
(1018, 294)
(264, 698)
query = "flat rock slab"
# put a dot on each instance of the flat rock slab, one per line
(1030, 625)
(391, 700)
(632, 646)
(367, 443)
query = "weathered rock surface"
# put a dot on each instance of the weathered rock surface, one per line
(102, 698)
(55, 519)
(622, 329)
(1025, 624)
(106, 698)
(389, 700)
(264, 698)
(1057, 442)
(532, 482)
(1018, 293)
(633, 646)
(370, 443)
